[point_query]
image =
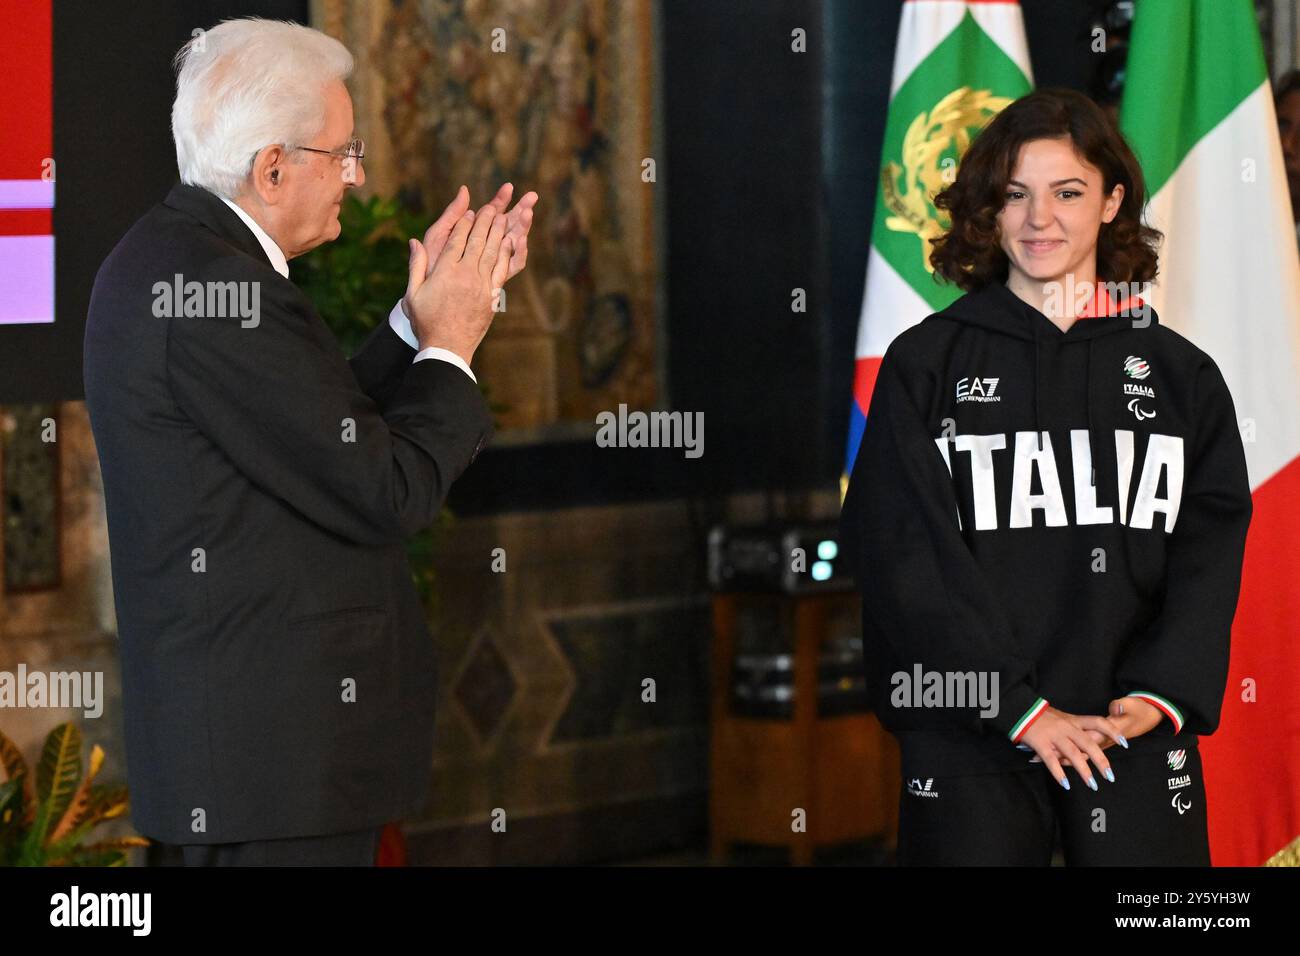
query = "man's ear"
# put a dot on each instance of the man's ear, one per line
(268, 173)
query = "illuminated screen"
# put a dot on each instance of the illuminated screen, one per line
(26, 167)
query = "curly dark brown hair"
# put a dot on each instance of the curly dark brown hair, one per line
(969, 254)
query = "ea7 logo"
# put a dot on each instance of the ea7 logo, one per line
(918, 789)
(978, 390)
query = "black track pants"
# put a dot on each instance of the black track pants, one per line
(1152, 815)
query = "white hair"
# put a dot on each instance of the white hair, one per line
(244, 85)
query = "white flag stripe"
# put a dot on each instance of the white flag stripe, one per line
(26, 194)
(1230, 250)
(892, 304)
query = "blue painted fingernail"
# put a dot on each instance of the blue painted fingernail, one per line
(1065, 783)
(1092, 782)
(1110, 775)
(1122, 742)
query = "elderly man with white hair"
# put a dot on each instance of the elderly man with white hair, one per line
(279, 679)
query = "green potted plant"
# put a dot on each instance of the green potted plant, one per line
(44, 822)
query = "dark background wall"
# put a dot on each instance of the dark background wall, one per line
(768, 170)
(746, 228)
(113, 90)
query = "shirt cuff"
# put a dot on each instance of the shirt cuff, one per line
(1036, 710)
(1018, 706)
(402, 326)
(1162, 704)
(447, 356)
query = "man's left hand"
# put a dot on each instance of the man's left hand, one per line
(519, 221)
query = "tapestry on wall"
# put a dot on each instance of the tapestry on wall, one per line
(554, 96)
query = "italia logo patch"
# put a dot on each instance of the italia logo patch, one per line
(1135, 367)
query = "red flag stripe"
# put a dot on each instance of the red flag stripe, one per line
(26, 222)
(1252, 762)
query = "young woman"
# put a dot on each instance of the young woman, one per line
(1049, 505)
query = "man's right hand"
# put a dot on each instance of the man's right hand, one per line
(451, 307)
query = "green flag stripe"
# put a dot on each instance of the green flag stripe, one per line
(1190, 64)
(967, 57)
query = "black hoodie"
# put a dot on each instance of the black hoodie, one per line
(1107, 564)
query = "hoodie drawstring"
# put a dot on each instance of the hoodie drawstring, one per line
(1088, 377)
(1038, 430)
(1038, 426)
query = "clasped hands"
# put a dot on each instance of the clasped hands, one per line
(1057, 737)
(461, 265)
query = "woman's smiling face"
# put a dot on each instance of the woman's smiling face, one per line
(1054, 208)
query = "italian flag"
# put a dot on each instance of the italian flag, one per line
(1198, 111)
(956, 64)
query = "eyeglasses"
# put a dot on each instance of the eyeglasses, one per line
(355, 149)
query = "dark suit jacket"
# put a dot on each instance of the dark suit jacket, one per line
(281, 680)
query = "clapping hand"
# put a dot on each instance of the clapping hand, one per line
(519, 221)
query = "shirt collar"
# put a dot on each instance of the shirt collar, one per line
(278, 261)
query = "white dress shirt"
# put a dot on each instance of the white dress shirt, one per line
(397, 319)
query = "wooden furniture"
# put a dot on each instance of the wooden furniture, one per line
(841, 771)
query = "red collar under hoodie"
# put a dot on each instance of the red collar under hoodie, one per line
(1061, 515)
